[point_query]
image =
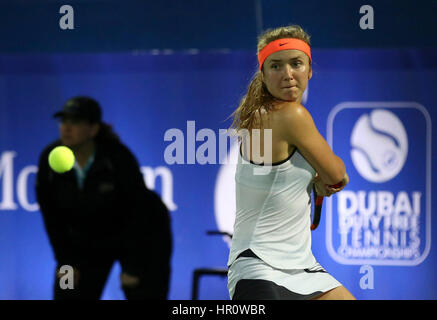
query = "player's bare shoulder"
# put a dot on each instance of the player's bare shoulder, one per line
(289, 115)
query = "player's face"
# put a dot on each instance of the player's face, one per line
(286, 74)
(74, 133)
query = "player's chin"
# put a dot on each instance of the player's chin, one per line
(290, 98)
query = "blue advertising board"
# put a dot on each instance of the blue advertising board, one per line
(375, 108)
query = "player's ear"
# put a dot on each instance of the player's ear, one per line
(310, 74)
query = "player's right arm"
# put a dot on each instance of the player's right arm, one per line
(299, 130)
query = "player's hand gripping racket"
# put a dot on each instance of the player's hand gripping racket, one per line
(318, 202)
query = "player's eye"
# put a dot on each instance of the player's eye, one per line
(297, 63)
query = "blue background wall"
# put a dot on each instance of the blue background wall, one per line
(137, 59)
(110, 25)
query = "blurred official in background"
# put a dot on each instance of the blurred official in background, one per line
(101, 211)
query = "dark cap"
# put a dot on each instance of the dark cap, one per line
(83, 108)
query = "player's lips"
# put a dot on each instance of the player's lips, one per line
(289, 87)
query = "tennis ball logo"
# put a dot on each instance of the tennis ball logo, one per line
(379, 145)
(61, 159)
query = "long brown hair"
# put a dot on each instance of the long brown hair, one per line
(257, 97)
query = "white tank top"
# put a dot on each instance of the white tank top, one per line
(273, 212)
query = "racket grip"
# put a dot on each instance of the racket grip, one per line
(319, 200)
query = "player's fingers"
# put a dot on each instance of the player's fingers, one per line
(331, 191)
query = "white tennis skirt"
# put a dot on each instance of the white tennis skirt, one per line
(252, 279)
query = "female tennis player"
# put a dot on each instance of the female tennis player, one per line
(271, 255)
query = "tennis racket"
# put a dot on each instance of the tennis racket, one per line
(318, 202)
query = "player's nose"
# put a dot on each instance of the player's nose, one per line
(288, 72)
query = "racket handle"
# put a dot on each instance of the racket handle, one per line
(314, 225)
(317, 213)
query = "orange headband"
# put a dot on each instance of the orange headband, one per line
(283, 44)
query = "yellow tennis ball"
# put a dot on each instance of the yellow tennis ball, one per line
(61, 159)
